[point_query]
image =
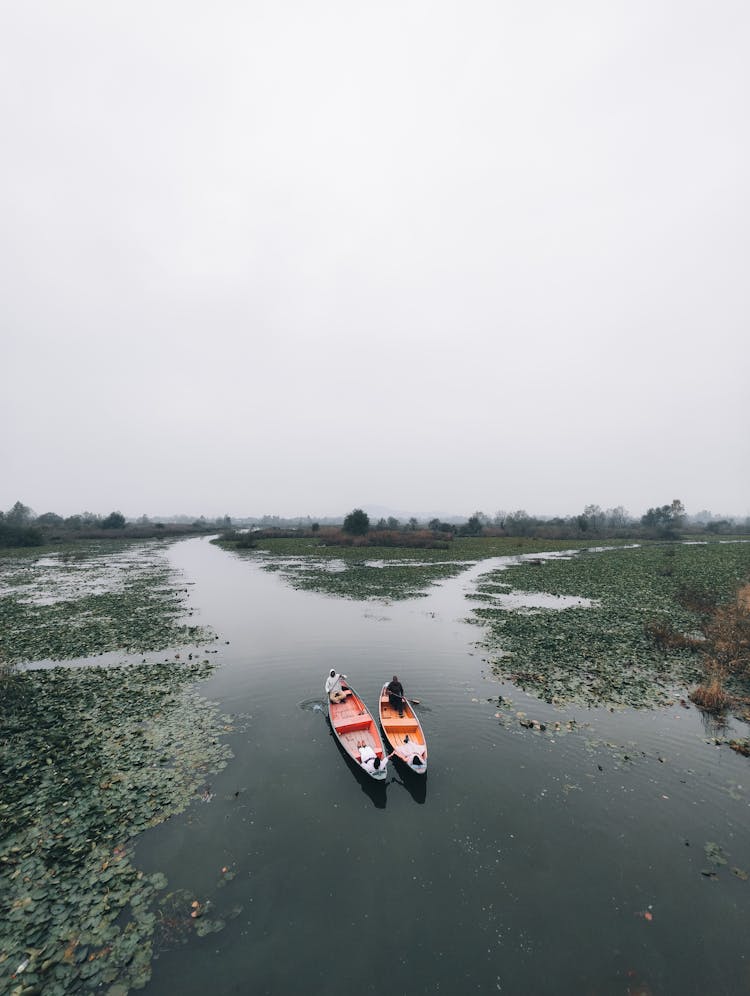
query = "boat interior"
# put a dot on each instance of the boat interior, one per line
(353, 724)
(401, 731)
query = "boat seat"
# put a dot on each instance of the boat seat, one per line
(404, 725)
(355, 724)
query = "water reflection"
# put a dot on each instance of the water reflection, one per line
(714, 725)
(415, 785)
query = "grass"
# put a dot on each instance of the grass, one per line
(711, 695)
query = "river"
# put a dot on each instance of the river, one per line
(570, 861)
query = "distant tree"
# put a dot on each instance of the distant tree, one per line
(617, 518)
(719, 526)
(518, 523)
(677, 511)
(315, 527)
(665, 519)
(49, 519)
(357, 523)
(473, 527)
(592, 520)
(16, 528)
(381, 524)
(413, 524)
(115, 520)
(19, 515)
(441, 527)
(392, 523)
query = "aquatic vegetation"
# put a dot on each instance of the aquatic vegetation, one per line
(365, 580)
(607, 654)
(380, 572)
(89, 598)
(89, 757)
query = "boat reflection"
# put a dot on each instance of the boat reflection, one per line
(415, 785)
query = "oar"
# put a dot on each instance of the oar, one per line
(404, 698)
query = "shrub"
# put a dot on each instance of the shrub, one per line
(710, 695)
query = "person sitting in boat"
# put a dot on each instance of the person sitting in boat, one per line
(395, 692)
(367, 757)
(336, 687)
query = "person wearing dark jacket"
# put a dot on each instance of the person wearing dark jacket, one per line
(395, 692)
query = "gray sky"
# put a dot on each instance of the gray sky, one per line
(277, 257)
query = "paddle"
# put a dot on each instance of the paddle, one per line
(404, 698)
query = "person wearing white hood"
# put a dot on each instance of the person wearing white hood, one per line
(336, 690)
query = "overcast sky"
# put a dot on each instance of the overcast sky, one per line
(293, 258)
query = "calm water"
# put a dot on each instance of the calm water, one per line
(525, 862)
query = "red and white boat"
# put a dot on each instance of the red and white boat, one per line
(353, 725)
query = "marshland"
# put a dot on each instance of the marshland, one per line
(177, 816)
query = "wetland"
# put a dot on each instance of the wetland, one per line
(177, 816)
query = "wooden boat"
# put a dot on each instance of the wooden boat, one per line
(353, 724)
(404, 733)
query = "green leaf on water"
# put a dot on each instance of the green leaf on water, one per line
(714, 854)
(205, 926)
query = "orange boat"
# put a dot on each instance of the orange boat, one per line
(354, 726)
(404, 733)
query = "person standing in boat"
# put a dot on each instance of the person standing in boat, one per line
(396, 694)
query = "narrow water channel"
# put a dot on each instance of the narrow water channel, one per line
(525, 862)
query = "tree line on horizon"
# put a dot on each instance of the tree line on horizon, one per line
(20, 526)
(661, 521)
